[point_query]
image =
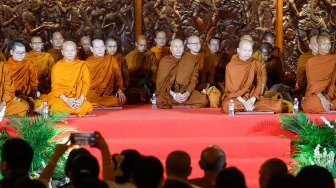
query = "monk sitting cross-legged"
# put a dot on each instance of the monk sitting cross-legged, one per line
(23, 73)
(70, 80)
(321, 77)
(243, 83)
(177, 79)
(106, 81)
(43, 63)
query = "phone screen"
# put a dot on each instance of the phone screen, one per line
(82, 139)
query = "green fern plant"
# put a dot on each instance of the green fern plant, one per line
(42, 134)
(309, 136)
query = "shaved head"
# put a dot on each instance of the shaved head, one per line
(212, 158)
(141, 37)
(324, 44)
(36, 44)
(192, 38)
(69, 43)
(57, 40)
(178, 163)
(246, 37)
(245, 49)
(177, 47)
(85, 43)
(270, 38)
(161, 39)
(194, 44)
(69, 51)
(141, 43)
(313, 44)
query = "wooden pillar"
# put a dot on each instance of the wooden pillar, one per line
(279, 24)
(138, 17)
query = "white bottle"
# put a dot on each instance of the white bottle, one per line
(154, 101)
(296, 106)
(231, 108)
(45, 110)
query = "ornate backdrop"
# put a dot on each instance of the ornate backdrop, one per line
(226, 19)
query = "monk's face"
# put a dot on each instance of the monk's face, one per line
(85, 43)
(266, 54)
(161, 39)
(324, 45)
(18, 53)
(213, 46)
(69, 52)
(194, 44)
(313, 46)
(177, 48)
(98, 48)
(245, 50)
(141, 45)
(36, 44)
(270, 40)
(57, 40)
(111, 47)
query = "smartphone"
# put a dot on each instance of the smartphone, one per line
(82, 139)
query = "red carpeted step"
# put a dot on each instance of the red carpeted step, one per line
(234, 147)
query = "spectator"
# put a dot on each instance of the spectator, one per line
(28, 183)
(124, 166)
(282, 181)
(270, 168)
(148, 173)
(315, 177)
(213, 160)
(230, 178)
(16, 158)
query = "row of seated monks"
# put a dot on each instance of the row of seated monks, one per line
(96, 75)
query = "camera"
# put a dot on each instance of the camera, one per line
(82, 139)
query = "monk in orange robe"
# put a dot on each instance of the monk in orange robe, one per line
(219, 59)
(139, 88)
(106, 88)
(243, 83)
(321, 77)
(177, 79)
(258, 56)
(301, 68)
(70, 81)
(153, 57)
(111, 48)
(43, 63)
(2, 57)
(57, 41)
(85, 52)
(7, 94)
(23, 73)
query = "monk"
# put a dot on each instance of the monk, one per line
(275, 73)
(7, 94)
(301, 68)
(23, 73)
(43, 63)
(153, 57)
(139, 88)
(177, 79)
(85, 52)
(243, 83)
(258, 56)
(220, 60)
(70, 81)
(321, 77)
(111, 48)
(106, 88)
(270, 38)
(57, 41)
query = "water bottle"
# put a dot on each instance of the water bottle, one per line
(45, 110)
(154, 101)
(296, 106)
(231, 108)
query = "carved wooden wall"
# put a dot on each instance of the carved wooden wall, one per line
(226, 19)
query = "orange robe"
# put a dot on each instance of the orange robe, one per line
(82, 55)
(243, 79)
(56, 54)
(122, 63)
(7, 93)
(151, 62)
(106, 79)
(179, 75)
(321, 77)
(43, 63)
(206, 70)
(2, 57)
(70, 79)
(220, 61)
(135, 66)
(301, 77)
(24, 76)
(275, 73)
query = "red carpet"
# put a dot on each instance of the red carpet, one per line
(248, 140)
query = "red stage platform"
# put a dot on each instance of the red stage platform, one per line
(248, 140)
